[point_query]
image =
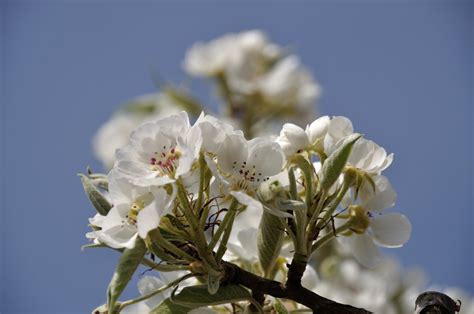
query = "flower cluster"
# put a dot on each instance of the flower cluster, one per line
(189, 194)
(207, 187)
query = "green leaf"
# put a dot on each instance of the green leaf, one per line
(140, 107)
(279, 307)
(269, 241)
(128, 263)
(198, 296)
(98, 200)
(336, 161)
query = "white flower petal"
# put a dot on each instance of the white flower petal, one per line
(383, 198)
(363, 248)
(233, 150)
(318, 128)
(391, 229)
(292, 138)
(118, 236)
(148, 284)
(252, 204)
(248, 241)
(149, 217)
(266, 156)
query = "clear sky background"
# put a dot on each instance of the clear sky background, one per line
(402, 71)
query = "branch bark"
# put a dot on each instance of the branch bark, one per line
(294, 291)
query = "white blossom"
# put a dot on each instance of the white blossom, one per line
(293, 139)
(366, 155)
(136, 211)
(243, 165)
(114, 133)
(239, 56)
(213, 132)
(160, 152)
(385, 229)
(288, 83)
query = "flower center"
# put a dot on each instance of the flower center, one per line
(133, 212)
(248, 176)
(165, 161)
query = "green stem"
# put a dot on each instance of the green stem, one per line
(223, 245)
(152, 294)
(317, 211)
(334, 204)
(167, 245)
(202, 171)
(186, 206)
(228, 219)
(197, 233)
(160, 267)
(292, 180)
(330, 235)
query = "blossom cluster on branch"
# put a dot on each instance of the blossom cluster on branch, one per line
(236, 222)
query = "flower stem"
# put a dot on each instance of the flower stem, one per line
(167, 245)
(334, 204)
(197, 232)
(202, 171)
(226, 224)
(330, 235)
(292, 180)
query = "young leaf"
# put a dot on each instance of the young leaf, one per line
(269, 240)
(336, 161)
(97, 199)
(198, 296)
(279, 307)
(127, 265)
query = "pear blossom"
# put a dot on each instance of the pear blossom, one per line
(339, 128)
(369, 157)
(136, 211)
(321, 135)
(288, 83)
(239, 56)
(243, 165)
(293, 139)
(158, 153)
(114, 133)
(385, 229)
(213, 132)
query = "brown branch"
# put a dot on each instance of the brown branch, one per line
(294, 291)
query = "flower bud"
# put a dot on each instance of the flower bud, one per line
(358, 218)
